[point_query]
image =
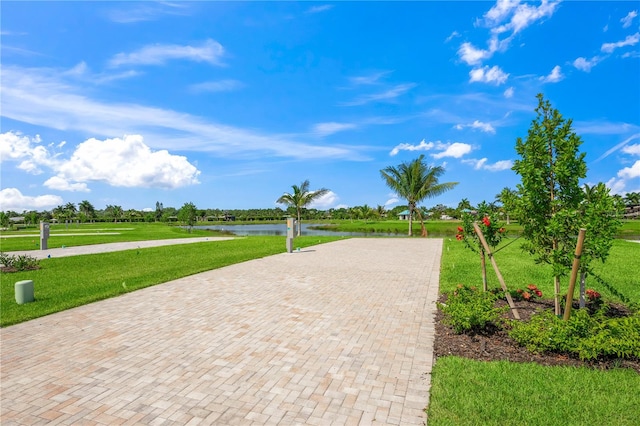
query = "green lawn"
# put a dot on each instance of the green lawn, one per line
(467, 392)
(461, 266)
(441, 228)
(66, 282)
(98, 233)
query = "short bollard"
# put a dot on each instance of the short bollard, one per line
(24, 292)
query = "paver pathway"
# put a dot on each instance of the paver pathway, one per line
(339, 333)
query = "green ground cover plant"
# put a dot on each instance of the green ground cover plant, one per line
(67, 282)
(468, 392)
(98, 233)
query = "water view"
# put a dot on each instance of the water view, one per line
(281, 229)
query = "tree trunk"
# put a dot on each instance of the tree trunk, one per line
(410, 220)
(556, 298)
(583, 278)
(484, 270)
(299, 223)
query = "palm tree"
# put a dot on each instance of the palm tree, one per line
(87, 209)
(300, 198)
(415, 181)
(632, 199)
(507, 197)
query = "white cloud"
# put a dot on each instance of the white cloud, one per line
(41, 97)
(455, 150)
(392, 200)
(584, 64)
(619, 146)
(484, 127)
(14, 146)
(147, 11)
(216, 86)
(118, 162)
(452, 36)
(422, 146)
(318, 9)
(493, 75)
(526, 15)
(368, 79)
(500, 11)
(630, 172)
(325, 129)
(325, 202)
(508, 93)
(554, 77)
(13, 199)
(481, 164)
(616, 185)
(127, 162)
(387, 95)
(60, 184)
(630, 40)
(632, 149)
(472, 56)
(627, 20)
(210, 51)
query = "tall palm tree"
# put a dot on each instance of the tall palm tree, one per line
(300, 198)
(87, 209)
(415, 181)
(508, 198)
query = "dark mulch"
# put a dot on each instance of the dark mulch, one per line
(496, 345)
(10, 269)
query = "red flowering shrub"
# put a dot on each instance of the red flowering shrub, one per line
(532, 292)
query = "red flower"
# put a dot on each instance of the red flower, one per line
(532, 287)
(460, 229)
(526, 295)
(592, 294)
(538, 293)
(501, 230)
(459, 237)
(486, 221)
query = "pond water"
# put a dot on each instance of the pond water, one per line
(281, 229)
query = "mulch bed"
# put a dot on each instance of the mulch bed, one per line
(496, 345)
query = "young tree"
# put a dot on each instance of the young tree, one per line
(188, 215)
(550, 167)
(300, 198)
(415, 181)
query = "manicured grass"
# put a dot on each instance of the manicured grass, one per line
(439, 228)
(97, 234)
(467, 392)
(67, 282)
(461, 266)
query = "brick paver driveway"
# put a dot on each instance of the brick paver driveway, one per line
(339, 333)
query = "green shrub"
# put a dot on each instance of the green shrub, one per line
(619, 337)
(587, 336)
(13, 263)
(470, 310)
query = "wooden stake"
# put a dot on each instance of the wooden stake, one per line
(514, 311)
(574, 274)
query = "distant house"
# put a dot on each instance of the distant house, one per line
(403, 215)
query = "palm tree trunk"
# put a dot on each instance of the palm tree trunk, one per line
(410, 220)
(299, 223)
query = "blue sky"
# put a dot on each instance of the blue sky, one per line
(228, 104)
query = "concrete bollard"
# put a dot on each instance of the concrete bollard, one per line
(24, 292)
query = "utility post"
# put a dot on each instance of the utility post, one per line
(44, 235)
(290, 230)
